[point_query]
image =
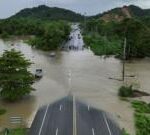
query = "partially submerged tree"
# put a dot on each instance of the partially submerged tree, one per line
(15, 79)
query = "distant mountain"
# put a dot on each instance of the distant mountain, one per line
(118, 14)
(54, 13)
(49, 13)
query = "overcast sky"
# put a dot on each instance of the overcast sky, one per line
(91, 7)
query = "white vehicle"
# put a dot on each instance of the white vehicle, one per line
(38, 73)
(52, 54)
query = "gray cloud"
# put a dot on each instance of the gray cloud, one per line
(91, 7)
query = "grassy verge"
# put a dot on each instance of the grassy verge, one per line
(141, 107)
(142, 123)
(124, 132)
(17, 131)
(142, 117)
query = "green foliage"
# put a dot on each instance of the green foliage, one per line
(17, 131)
(48, 35)
(15, 79)
(136, 32)
(138, 12)
(141, 106)
(49, 13)
(102, 46)
(125, 91)
(142, 123)
(21, 27)
(146, 21)
(2, 111)
(54, 34)
(138, 38)
(142, 117)
(124, 132)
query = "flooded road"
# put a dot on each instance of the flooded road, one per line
(80, 73)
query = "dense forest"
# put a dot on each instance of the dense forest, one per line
(108, 38)
(49, 13)
(48, 35)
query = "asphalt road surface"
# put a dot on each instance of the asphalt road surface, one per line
(91, 121)
(55, 119)
(58, 119)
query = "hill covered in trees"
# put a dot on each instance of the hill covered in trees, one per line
(118, 14)
(49, 13)
(53, 13)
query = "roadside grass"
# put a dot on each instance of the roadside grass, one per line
(141, 107)
(17, 131)
(124, 132)
(142, 117)
(142, 123)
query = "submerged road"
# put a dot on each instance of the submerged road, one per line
(67, 118)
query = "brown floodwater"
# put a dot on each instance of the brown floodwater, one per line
(82, 74)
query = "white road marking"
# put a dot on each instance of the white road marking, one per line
(56, 132)
(60, 108)
(88, 108)
(93, 131)
(40, 131)
(107, 124)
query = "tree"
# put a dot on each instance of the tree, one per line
(15, 79)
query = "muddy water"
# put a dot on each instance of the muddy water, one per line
(140, 68)
(80, 73)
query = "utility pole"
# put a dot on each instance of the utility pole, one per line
(124, 59)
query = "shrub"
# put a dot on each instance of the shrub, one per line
(125, 91)
(2, 111)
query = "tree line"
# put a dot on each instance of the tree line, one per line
(47, 34)
(107, 38)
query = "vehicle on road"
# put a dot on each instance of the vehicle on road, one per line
(38, 73)
(52, 54)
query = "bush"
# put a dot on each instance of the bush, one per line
(125, 91)
(2, 111)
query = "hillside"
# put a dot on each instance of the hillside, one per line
(49, 13)
(119, 14)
